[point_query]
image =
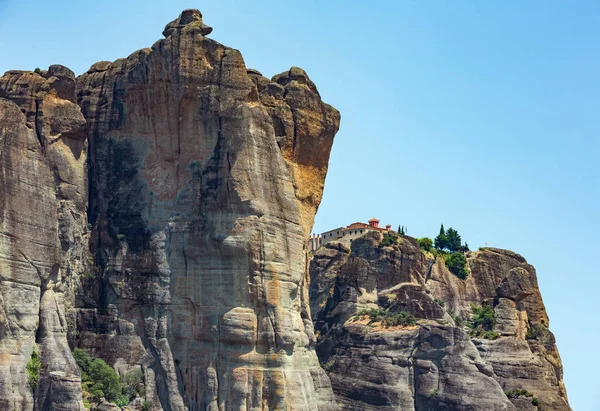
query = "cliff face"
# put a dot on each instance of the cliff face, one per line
(43, 231)
(155, 212)
(433, 364)
(203, 193)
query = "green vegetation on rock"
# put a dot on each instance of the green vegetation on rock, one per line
(425, 243)
(387, 318)
(389, 239)
(523, 393)
(33, 369)
(441, 241)
(449, 240)
(457, 264)
(98, 379)
(482, 322)
(133, 383)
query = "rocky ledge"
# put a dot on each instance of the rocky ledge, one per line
(428, 359)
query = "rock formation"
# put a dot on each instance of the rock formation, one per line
(202, 194)
(434, 364)
(43, 234)
(155, 212)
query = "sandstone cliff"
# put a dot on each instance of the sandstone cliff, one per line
(155, 212)
(202, 194)
(189, 260)
(43, 231)
(434, 364)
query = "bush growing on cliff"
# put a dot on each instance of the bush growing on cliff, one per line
(482, 322)
(523, 393)
(97, 377)
(33, 369)
(389, 239)
(457, 264)
(425, 243)
(133, 383)
(483, 317)
(387, 318)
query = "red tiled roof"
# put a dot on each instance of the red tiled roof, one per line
(359, 225)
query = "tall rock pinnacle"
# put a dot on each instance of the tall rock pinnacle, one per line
(205, 180)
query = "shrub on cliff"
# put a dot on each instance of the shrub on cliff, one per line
(387, 318)
(425, 243)
(133, 383)
(482, 322)
(457, 264)
(483, 317)
(97, 377)
(389, 239)
(33, 369)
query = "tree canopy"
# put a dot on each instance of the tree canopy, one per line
(441, 240)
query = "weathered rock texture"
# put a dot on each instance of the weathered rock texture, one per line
(204, 185)
(181, 252)
(43, 234)
(434, 365)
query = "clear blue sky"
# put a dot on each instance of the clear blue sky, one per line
(482, 115)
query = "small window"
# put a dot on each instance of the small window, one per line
(361, 231)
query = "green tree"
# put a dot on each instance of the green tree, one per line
(105, 380)
(457, 264)
(441, 241)
(453, 241)
(425, 243)
(82, 358)
(401, 230)
(97, 377)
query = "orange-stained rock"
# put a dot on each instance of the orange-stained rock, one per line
(202, 203)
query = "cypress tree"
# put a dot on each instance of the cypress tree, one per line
(441, 241)
(453, 240)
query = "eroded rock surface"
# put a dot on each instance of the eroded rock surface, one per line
(43, 234)
(434, 364)
(203, 193)
(182, 252)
